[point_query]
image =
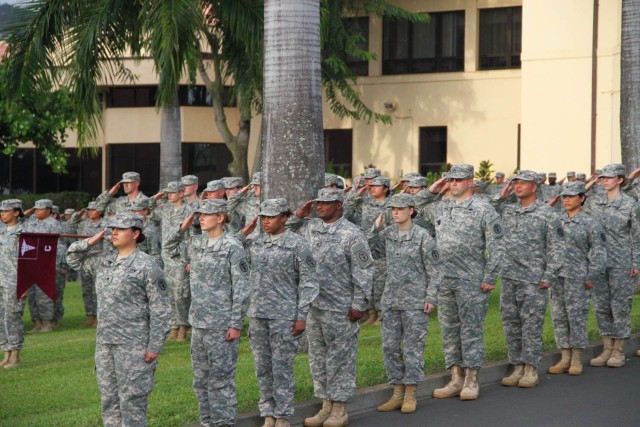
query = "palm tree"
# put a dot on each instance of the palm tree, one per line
(630, 84)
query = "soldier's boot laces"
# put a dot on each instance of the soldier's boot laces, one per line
(409, 403)
(454, 387)
(339, 416)
(182, 334)
(269, 422)
(320, 417)
(282, 422)
(576, 362)
(563, 364)
(14, 360)
(515, 377)
(7, 355)
(173, 335)
(607, 348)
(530, 377)
(36, 328)
(471, 389)
(617, 358)
(373, 317)
(395, 401)
(47, 326)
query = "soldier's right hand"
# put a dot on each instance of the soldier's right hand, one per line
(380, 220)
(305, 210)
(246, 188)
(362, 190)
(188, 221)
(554, 200)
(97, 237)
(506, 190)
(158, 196)
(29, 212)
(250, 227)
(114, 190)
(436, 187)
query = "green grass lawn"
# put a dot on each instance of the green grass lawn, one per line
(56, 386)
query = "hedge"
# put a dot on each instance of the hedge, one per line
(64, 199)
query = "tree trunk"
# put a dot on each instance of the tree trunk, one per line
(630, 84)
(292, 153)
(170, 144)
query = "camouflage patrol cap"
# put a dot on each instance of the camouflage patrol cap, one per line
(189, 180)
(409, 176)
(613, 170)
(571, 173)
(402, 200)
(526, 175)
(69, 211)
(232, 182)
(139, 204)
(215, 185)
(130, 177)
(10, 204)
(273, 207)
(573, 188)
(174, 187)
(582, 176)
(55, 209)
(462, 171)
(552, 175)
(329, 195)
(598, 171)
(332, 179)
(256, 178)
(93, 206)
(499, 174)
(212, 206)
(43, 204)
(126, 220)
(417, 182)
(542, 175)
(371, 173)
(381, 180)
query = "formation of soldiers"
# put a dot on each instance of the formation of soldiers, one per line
(179, 264)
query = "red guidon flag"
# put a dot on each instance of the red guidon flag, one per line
(37, 263)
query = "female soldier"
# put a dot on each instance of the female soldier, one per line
(11, 308)
(410, 294)
(219, 286)
(584, 266)
(133, 318)
(283, 288)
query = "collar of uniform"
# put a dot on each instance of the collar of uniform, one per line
(465, 204)
(402, 238)
(279, 241)
(532, 207)
(125, 262)
(615, 203)
(576, 219)
(330, 229)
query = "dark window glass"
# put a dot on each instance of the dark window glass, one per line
(358, 66)
(433, 47)
(145, 96)
(142, 158)
(16, 172)
(197, 96)
(500, 38)
(206, 161)
(338, 149)
(433, 148)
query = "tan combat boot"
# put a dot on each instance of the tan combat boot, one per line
(182, 334)
(515, 377)
(339, 416)
(36, 328)
(607, 348)
(282, 422)
(378, 318)
(454, 387)
(471, 389)
(373, 317)
(7, 355)
(14, 360)
(173, 335)
(638, 353)
(409, 403)
(395, 401)
(617, 358)
(563, 364)
(576, 362)
(269, 422)
(91, 322)
(320, 417)
(530, 377)
(47, 326)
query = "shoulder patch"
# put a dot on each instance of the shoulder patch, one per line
(431, 249)
(162, 284)
(307, 257)
(494, 223)
(360, 252)
(556, 224)
(638, 212)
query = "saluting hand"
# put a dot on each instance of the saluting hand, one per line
(437, 186)
(363, 190)
(158, 196)
(114, 190)
(554, 200)
(29, 212)
(506, 190)
(250, 227)
(97, 237)
(188, 221)
(380, 220)
(305, 210)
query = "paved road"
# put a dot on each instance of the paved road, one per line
(599, 397)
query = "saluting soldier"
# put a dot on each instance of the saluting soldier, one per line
(130, 182)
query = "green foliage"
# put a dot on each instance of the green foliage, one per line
(341, 171)
(64, 200)
(484, 170)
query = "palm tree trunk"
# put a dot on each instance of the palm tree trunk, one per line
(170, 144)
(292, 154)
(630, 84)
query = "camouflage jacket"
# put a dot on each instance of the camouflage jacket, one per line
(48, 226)
(586, 255)
(105, 202)
(9, 240)
(367, 210)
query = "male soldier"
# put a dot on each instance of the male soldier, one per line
(495, 189)
(571, 176)
(131, 183)
(333, 181)
(533, 246)
(61, 272)
(344, 272)
(215, 190)
(152, 244)
(582, 177)
(404, 181)
(467, 227)
(246, 205)
(232, 187)
(190, 183)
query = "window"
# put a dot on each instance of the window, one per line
(338, 148)
(433, 148)
(436, 46)
(17, 172)
(500, 38)
(197, 96)
(206, 161)
(358, 66)
(142, 158)
(145, 96)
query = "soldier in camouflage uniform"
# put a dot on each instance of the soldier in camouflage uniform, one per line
(107, 201)
(214, 190)
(61, 272)
(11, 308)
(191, 199)
(152, 244)
(133, 319)
(245, 205)
(232, 188)
(494, 189)
(219, 287)
(345, 274)
(533, 256)
(617, 213)
(283, 282)
(410, 294)
(584, 266)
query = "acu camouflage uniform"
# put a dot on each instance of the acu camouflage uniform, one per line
(11, 308)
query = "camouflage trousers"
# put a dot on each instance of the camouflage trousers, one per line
(462, 307)
(403, 336)
(11, 327)
(41, 307)
(274, 349)
(379, 279)
(613, 297)
(179, 292)
(214, 362)
(58, 305)
(523, 306)
(333, 349)
(125, 382)
(89, 297)
(569, 311)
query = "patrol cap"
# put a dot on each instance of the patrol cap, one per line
(613, 170)
(573, 188)
(139, 204)
(69, 211)
(598, 171)
(215, 185)
(371, 173)
(55, 209)
(189, 180)
(381, 180)
(542, 175)
(212, 206)
(130, 177)
(329, 195)
(409, 176)
(571, 173)
(402, 200)
(43, 204)
(499, 174)
(126, 220)
(232, 182)
(256, 178)
(582, 176)
(332, 179)
(174, 187)
(273, 207)
(94, 206)
(526, 175)
(463, 171)
(11, 204)
(552, 175)
(417, 182)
